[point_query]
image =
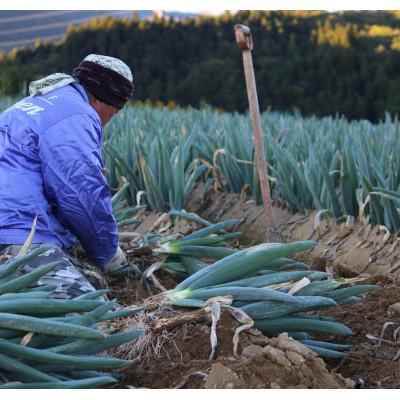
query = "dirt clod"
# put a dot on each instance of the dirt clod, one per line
(221, 377)
(252, 350)
(394, 310)
(284, 363)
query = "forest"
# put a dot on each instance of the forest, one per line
(316, 62)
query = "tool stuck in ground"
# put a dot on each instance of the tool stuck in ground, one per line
(245, 42)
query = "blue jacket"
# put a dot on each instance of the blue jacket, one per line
(51, 165)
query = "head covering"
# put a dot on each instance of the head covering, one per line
(111, 63)
(107, 78)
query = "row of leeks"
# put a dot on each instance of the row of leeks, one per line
(261, 281)
(164, 171)
(49, 343)
(348, 168)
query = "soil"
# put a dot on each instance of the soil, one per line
(179, 358)
(367, 363)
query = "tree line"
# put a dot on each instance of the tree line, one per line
(319, 63)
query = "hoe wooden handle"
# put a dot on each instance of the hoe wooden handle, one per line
(245, 42)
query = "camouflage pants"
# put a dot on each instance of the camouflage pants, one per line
(69, 275)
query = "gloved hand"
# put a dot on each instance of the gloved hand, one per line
(118, 261)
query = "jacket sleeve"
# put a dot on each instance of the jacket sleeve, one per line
(70, 153)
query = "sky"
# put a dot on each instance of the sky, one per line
(209, 6)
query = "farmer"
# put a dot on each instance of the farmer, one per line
(51, 167)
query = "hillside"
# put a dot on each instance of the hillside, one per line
(23, 28)
(317, 62)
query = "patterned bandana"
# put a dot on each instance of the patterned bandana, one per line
(49, 83)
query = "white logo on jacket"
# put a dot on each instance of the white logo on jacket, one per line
(29, 108)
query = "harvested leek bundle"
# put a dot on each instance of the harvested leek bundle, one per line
(47, 343)
(261, 281)
(269, 288)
